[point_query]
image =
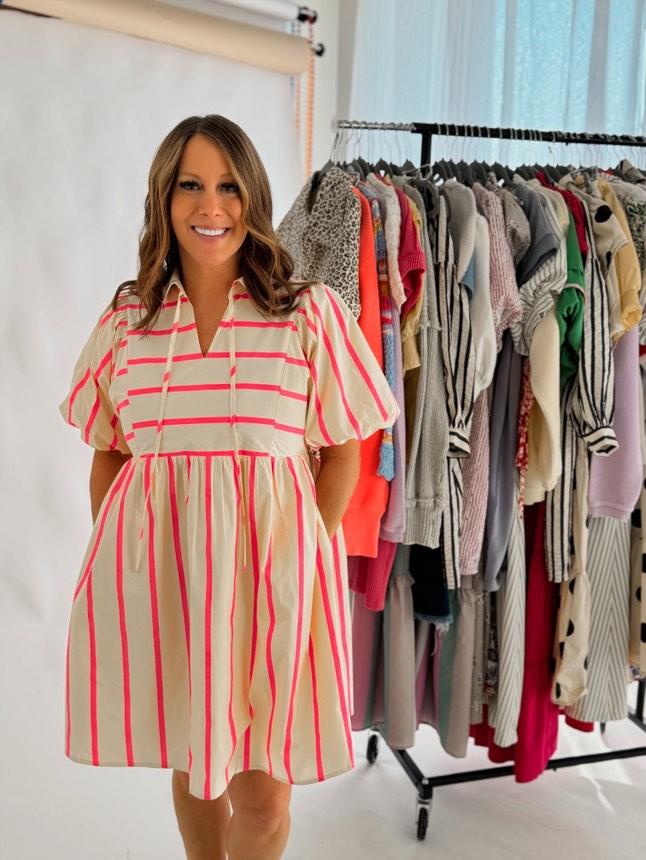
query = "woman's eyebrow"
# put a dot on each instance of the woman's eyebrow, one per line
(197, 175)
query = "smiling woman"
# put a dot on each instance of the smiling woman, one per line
(207, 174)
(210, 630)
(206, 215)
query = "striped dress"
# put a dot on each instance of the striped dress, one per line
(210, 628)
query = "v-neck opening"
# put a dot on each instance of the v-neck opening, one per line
(211, 347)
(225, 316)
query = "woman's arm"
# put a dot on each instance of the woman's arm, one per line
(336, 480)
(105, 465)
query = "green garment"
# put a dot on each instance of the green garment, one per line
(569, 309)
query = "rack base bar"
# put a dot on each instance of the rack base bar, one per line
(426, 784)
(508, 770)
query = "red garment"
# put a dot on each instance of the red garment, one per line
(370, 576)
(362, 519)
(539, 716)
(577, 724)
(576, 208)
(411, 260)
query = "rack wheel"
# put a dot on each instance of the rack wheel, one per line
(422, 822)
(373, 748)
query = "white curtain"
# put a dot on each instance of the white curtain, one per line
(575, 65)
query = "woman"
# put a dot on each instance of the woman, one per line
(210, 625)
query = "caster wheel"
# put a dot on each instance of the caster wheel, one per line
(422, 822)
(373, 748)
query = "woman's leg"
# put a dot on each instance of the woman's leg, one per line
(202, 824)
(259, 827)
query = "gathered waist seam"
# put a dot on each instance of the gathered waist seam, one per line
(228, 452)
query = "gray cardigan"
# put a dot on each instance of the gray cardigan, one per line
(426, 485)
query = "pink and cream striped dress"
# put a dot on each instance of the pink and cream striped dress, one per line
(210, 627)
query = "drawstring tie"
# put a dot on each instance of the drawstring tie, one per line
(160, 424)
(234, 428)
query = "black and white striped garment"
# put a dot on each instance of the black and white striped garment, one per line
(587, 410)
(510, 609)
(594, 401)
(457, 342)
(459, 377)
(608, 572)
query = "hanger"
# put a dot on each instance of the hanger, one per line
(464, 173)
(442, 169)
(363, 166)
(382, 164)
(481, 171)
(331, 160)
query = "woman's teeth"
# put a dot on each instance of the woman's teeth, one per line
(204, 231)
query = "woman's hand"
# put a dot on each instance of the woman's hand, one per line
(336, 480)
(105, 467)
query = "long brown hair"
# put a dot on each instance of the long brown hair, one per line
(265, 265)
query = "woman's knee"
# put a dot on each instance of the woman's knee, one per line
(254, 794)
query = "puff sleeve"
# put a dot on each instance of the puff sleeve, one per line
(87, 405)
(348, 395)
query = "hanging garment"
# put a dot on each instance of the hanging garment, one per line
(572, 640)
(505, 302)
(503, 428)
(387, 451)
(538, 717)
(638, 588)
(609, 575)
(368, 501)
(322, 235)
(391, 217)
(426, 483)
(609, 242)
(476, 489)
(482, 325)
(638, 554)
(504, 711)
(217, 638)
(616, 479)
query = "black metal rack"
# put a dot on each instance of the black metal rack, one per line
(444, 129)
(426, 784)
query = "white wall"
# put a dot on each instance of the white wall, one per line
(83, 111)
(326, 82)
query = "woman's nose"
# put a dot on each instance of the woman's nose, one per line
(211, 203)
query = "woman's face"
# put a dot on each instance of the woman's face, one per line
(206, 195)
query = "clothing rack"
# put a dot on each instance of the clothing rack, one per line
(444, 129)
(426, 784)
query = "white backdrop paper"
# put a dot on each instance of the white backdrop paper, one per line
(82, 112)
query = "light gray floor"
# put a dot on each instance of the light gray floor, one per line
(593, 811)
(53, 808)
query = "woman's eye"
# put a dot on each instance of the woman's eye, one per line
(227, 187)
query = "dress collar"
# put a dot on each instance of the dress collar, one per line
(175, 280)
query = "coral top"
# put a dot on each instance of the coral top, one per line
(210, 627)
(362, 519)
